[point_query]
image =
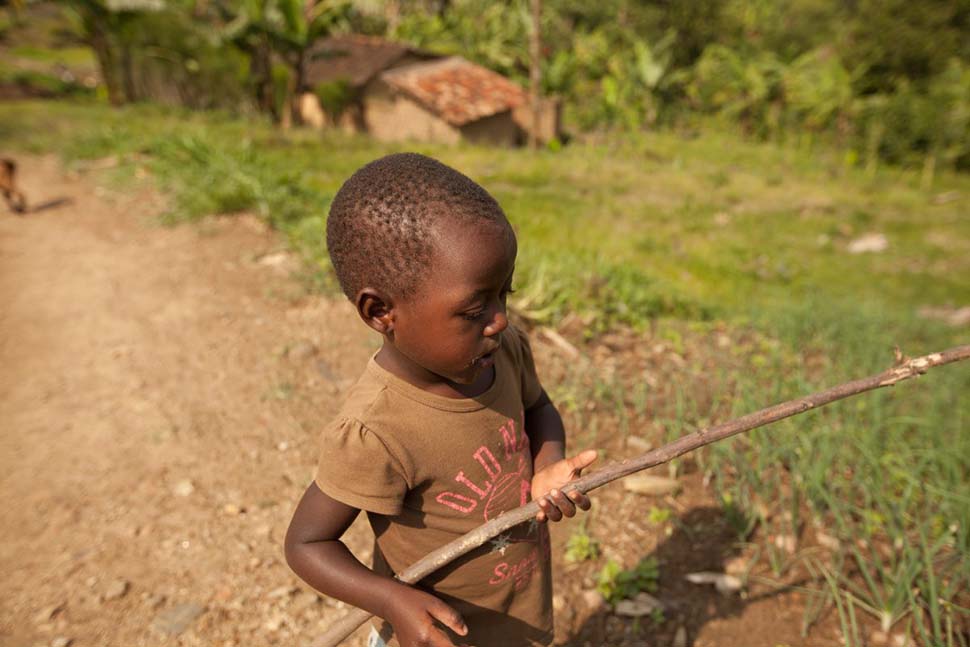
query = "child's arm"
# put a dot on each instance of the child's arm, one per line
(315, 553)
(551, 468)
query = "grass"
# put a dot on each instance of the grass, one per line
(694, 239)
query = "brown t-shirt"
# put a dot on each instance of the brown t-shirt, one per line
(428, 469)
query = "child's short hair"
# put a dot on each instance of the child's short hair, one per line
(381, 220)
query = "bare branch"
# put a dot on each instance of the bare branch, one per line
(472, 540)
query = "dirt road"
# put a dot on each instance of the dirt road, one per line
(160, 391)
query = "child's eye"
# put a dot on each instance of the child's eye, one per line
(472, 316)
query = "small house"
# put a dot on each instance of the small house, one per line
(395, 93)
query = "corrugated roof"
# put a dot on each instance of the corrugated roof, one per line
(354, 58)
(456, 90)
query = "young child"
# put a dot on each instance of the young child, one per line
(448, 426)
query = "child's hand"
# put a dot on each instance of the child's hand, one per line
(413, 614)
(553, 504)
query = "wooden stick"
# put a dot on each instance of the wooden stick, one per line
(472, 540)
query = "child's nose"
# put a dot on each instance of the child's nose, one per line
(499, 323)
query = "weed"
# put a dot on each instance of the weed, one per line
(658, 516)
(616, 584)
(581, 547)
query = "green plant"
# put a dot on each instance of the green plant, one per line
(658, 516)
(581, 547)
(616, 584)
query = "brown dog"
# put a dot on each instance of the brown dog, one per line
(15, 198)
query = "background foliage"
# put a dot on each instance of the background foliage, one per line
(884, 80)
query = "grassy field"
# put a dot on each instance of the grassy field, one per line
(690, 237)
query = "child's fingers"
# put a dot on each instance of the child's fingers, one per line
(448, 617)
(543, 506)
(563, 502)
(549, 507)
(580, 499)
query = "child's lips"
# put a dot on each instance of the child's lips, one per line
(486, 360)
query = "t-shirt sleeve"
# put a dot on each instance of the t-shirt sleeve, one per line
(531, 387)
(356, 467)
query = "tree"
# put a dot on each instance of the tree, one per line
(286, 28)
(105, 26)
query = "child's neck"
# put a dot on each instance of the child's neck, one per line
(394, 362)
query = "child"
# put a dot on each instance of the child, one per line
(447, 427)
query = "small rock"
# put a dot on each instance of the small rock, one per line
(61, 641)
(723, 582)
(275, 622)
(593, 600)
(48, 613)
(736, 565)
(222, 595)
(116, 589)
(177, 619)
(680, 638)
(277, 260)
(283, 446)
(642, 605)
(638, 444)
(302, 350)
(558, 603)
(827, 541)
(281, 592)
(651, 485)
(956, 317)
(91, 581)
(154, 600)
(304, 600)
(879, 638)
(183, 488)
(787, 543)
(868, 243)
(232, 509)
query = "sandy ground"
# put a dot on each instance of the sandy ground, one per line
(161, 389)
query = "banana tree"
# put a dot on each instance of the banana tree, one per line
(286, 29)
(303, 23)
(105, 26)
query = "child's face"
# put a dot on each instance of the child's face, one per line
(453, 324)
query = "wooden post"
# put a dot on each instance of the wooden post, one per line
(535, 73)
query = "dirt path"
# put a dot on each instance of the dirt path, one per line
(160, 389)
(160, 395)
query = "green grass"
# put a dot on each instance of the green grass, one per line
(691, 237)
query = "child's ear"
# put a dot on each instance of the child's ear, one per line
(374, 308)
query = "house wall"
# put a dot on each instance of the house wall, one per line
(550, 118)
(391, 116)
(497, 130)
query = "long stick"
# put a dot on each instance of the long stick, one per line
(472, 540)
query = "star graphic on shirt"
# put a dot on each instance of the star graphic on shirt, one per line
(500, 543)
